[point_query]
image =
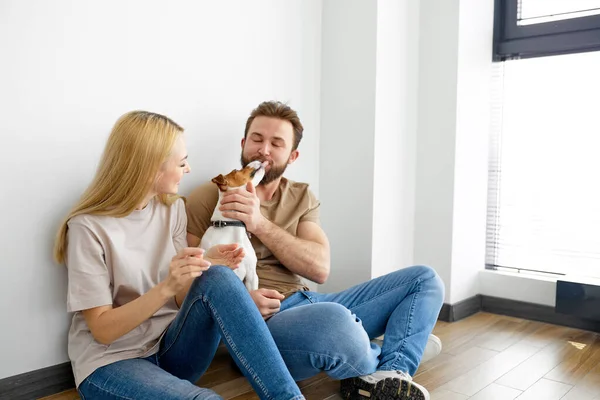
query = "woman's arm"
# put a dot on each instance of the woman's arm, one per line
(107, 324)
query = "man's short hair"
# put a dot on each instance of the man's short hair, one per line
(279, 110)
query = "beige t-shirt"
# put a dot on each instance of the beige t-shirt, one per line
(112, 261)
(292, 203)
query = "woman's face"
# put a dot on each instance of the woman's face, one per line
(173, 168)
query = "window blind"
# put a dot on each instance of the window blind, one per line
(544, 165)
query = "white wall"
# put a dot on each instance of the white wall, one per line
(395, 135)
(69, 69)
(368, 125)
(347, 124)
(438, 63)
(473, 122)
(452, 147)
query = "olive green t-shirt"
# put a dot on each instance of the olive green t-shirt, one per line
(292, 203)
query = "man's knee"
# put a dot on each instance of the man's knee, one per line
(342, 322)
(331, 325)
(432, 281)
(345, 337)
(428, 278)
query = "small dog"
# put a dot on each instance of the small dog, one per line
(226, 230)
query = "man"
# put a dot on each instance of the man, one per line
(315, 331)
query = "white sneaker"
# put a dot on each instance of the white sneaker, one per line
(432, 349)
(383, 385)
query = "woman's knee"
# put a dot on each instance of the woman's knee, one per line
(220, 272)
(218, 279)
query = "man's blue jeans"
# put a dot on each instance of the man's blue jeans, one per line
(217, 306)
(331, 332)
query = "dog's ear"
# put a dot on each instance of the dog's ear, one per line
(220, 181)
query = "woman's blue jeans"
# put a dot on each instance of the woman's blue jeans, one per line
(217, 306)
(331, 332)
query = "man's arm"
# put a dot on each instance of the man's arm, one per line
(306, 255)
(193, 240)
(200, 205)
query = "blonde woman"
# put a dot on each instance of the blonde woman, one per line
(149, 311)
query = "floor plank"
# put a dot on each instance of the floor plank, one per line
(587, 388)
(68, 395)
(496, 392)
(454, 368)
(540, 364)
(486, 373)
(579, 364)
(441, 394)
(545, 389)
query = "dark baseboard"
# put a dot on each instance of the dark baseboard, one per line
(513, 308)
(460, 310)
(39, 383)
(536, 312)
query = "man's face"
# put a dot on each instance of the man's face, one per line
(270, 139)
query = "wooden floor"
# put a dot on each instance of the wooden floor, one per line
(485, 357)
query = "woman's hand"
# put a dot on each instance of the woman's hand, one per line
(230, 255)
(185, 266)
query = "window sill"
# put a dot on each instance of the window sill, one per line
(530, 288)
(534, 289)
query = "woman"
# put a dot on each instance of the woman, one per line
(149, 312)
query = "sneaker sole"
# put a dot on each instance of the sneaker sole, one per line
(385, 389)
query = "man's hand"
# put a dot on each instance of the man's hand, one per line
(243, 204)
(268, 301)
(230, 255)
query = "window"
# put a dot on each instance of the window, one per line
(544, 175)
(534, 28)
(540, 11)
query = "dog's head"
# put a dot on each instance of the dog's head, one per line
(253, 172)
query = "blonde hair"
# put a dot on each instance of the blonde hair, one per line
(138, 145)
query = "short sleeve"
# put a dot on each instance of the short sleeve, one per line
(200, 205)
(89, 281)
(180, 229)
(312, 213)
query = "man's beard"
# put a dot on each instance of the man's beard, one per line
(275, 172)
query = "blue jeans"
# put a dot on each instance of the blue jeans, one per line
(217, 306)
(331, 332)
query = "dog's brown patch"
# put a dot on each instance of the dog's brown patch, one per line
(234, 179)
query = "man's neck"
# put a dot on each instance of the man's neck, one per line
(266, 192)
